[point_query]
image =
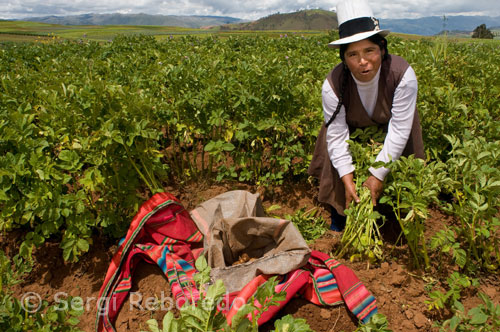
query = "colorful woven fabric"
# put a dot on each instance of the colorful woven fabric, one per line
(163, 233)
(355, 295)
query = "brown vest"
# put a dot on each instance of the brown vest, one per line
(331, 188)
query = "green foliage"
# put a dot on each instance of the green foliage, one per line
(205, 316)
(446, 241)
(361, 237)
(35, 315)
(117, 121)
(457, 283)
(411, 187)
(309, 223)
(377, 323)
(474, 168)
(485, 317)
(290, 324)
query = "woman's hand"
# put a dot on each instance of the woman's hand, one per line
(376, 187)
(350, 189)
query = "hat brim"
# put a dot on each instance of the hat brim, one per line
(357, 37)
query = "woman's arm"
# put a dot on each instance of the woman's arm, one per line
(337, 132)
(400, 124)
(336, 136)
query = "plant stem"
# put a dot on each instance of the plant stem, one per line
(137, 169)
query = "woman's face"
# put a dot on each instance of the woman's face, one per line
(363, 58)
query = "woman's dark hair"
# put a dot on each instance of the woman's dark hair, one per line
(376, 39)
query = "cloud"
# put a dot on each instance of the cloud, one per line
(242, 9)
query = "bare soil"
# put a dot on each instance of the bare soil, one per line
(400, 291)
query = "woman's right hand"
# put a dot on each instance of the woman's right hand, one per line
(350, 189)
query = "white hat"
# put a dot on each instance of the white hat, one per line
(356, 22)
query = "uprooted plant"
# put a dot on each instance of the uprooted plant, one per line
(361, 237)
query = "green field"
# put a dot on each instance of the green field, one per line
(95, 119)
(31, 31)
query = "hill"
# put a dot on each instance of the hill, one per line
(136, 19)
(312, 19)
(319, 19)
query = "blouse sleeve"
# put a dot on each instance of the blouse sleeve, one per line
(400, 124)
(337, 132)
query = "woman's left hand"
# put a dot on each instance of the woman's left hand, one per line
(376, 187)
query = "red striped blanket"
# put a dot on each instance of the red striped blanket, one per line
(163, 233)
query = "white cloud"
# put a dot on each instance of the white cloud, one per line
(242, 9)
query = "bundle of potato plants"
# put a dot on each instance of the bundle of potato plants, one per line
(361, 238)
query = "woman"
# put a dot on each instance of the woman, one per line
(369, 88)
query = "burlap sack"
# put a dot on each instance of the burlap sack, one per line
(234, 224)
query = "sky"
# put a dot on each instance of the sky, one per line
(244, 9)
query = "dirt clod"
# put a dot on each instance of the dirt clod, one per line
(420, 320)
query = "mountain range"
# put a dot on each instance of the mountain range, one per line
(433, 25)
(136, 19)
(316, 19)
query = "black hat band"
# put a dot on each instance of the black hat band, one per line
(358, 25)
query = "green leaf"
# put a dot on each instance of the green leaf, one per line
(192, 321)
(3, 196)
(460, 257)
(291, 324)
(73, 321)
(228, 147)
(244, 326)
(478, 318)
(167, 322)
(209, 147)
(241, 315)
(68, 155)
(83, 245)
(67, 253)
(459, 306)
(118, 139)
(216, 290)
(454, 322)
(52, 316)
(385, 199)
(66, 244)
(153, 325)
(201, 263)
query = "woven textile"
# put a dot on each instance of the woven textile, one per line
(163, 233)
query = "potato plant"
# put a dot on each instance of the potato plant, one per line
(411, 187)
(361, 237)
(116, 121)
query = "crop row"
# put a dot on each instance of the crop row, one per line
(87, 129)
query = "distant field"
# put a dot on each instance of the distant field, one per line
(32, 31)
(23, 31)
(19, 30)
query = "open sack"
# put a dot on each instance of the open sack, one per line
(225, 227)
(241, 242)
